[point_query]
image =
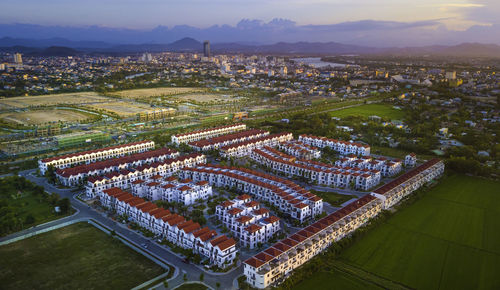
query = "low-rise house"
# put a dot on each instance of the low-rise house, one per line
(207, 133)
(273, 265)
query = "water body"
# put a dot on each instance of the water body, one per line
(317, 62)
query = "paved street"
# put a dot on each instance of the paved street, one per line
(84, 212)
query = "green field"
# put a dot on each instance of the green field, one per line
(449, 239)
(74, 257)
(381, 110)
(334, 280)
(333, 198)
(396, 152)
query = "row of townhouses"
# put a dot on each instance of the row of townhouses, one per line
(385, 166)
(342, 147)
(245, 148)
(225, 140)
(123, 178)
(392, 192)
(250, 223)
(317, 172)
(76, 175)
(220, 250)
(289, 197)
(300, 150)
(275, 264)
(207, 133)
(171, 189)
(86, 157)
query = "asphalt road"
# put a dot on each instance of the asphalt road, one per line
(226, 280)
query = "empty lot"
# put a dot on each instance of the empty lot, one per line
(51, 100)
(74, 257)
(39, 117)
(155, 92)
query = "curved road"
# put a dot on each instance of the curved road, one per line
(84, 212)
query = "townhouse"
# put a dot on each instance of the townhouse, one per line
(245, 148)
(411, 160)
(273, 265)
(342, 147)
(385, 166)
(248, 222)
(207, 133)
(91, 156)
(171, 189)
(287, 196)
(75, 175)
(300, 150)
(125, 177)
(218, 249)
(317, 172)
(392, 192)
(225, 140)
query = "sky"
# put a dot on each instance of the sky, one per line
(351, 21)
(144, 14)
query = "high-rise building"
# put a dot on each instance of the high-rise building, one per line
(18, 58)
(451, 75)
(206, 48)
(146, 57)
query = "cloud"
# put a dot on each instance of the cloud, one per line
(365, 32)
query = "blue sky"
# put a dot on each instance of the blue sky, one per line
(362, 22)
(144, 14)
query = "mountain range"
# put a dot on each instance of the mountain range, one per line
(63, 47)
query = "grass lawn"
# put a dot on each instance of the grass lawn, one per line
(335, 280)
(398, 153)
(381, 110)
(74, 257)
(333, 198)
(449, 239)
(192, 286)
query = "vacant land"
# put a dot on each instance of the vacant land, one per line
(381, 110)
(75, 257)
(449, 239)
(206, 98)
(52, 100)
(121, 108)
(155, 92)
(333, 198)
(39, 117)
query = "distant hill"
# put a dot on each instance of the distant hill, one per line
(60, 46)
(57, 51)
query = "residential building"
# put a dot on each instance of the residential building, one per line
(219, 250)
(91, 156)
(207, 133)
(287, 196)
(342, 147)
(273, 265)
(123, 178)
(248, 222)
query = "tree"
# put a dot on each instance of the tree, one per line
(30, 219)
(51, 174)
(64, 204)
